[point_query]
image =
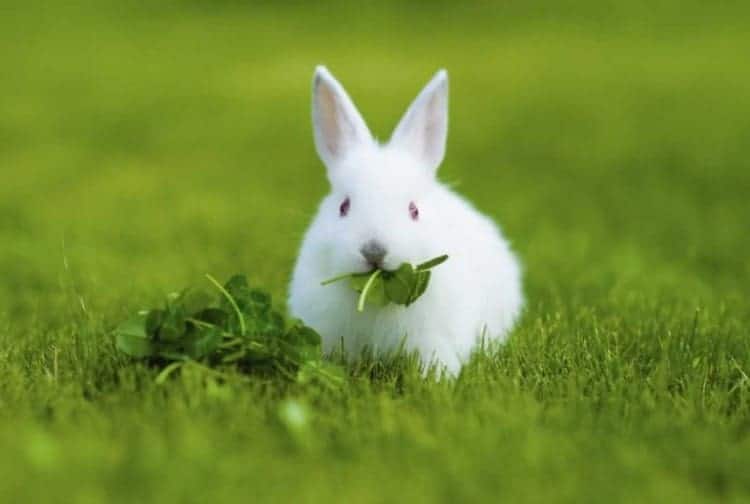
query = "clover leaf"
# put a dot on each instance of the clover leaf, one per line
(238, 328)
(402, 286)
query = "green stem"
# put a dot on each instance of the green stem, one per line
(335, 279)
(200, 323)
(231, 300)
(366, 290)
(164, 374)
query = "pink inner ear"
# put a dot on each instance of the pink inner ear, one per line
(413, 211)
(329, 114)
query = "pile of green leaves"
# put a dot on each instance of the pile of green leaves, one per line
(236, 329)
(403, 286)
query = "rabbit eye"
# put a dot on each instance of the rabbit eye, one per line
(344, 207)
(413, 211)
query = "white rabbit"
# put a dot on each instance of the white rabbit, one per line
(387, 207)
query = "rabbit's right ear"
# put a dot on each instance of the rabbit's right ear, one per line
(337, 124)
(424, 127)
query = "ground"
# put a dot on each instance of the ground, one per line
(145, 144)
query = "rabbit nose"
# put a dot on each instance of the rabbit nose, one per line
(374, 252)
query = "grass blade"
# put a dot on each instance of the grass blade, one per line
(243, 327)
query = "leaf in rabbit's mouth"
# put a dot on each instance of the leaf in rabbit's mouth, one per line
(403, 286)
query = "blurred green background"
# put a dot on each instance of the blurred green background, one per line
(143, 144)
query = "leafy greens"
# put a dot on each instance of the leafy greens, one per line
(403, 286)
(237, 329)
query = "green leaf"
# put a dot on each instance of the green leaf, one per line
(173, 352)
(154, 320)
(432, 263)
(172, 328)
(300, 344)
(400, 284)
(214, 316)
(203, 342)
(245, 298)
(276, 321)
(403, 285)
(358, 280)
(422, 279)
(260, 298)
(132, 339)
(236, 283)
(238, 329)
(373, 291)
(193, 301)
(301, 334)
(376, 295)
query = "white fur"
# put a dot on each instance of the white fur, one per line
(477, 292)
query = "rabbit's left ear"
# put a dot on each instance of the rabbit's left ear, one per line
(338, 126)
(424, 127)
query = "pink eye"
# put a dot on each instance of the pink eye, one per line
(413, 211)
(344, 207)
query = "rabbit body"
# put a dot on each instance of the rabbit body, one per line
(386, 207)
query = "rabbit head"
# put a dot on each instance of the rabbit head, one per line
(384, 205)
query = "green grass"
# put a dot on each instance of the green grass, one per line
(142, 146)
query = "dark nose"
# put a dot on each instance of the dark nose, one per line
(374, 252)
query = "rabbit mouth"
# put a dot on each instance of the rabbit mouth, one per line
(371, 266)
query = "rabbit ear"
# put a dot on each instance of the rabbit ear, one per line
(424, 127)
(337, 124)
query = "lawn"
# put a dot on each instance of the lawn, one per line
(144, 144)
